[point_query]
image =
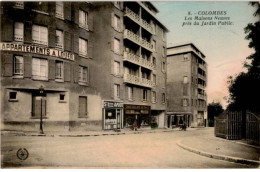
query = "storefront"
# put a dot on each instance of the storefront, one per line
(112, 115)
(139, 113)
(177, 119)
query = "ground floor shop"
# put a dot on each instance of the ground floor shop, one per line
(175, 119)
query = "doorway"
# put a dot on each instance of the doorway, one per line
(38, 106)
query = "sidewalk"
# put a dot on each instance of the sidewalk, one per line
(206, 144)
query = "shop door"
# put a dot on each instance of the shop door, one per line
(38, 106)
(118, 117)
(82, 106)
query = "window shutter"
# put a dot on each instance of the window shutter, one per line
(28, 32)
(67, 71)
(90, 49)
(52, 36)
(51, 69)
(76, 43)
(76, 73)
(76, 13)
(67, 41)
(27, 66)
(126, 92)
(112, 19)
(67, 10)
(8, 31)
(8, 64)
(91, 21)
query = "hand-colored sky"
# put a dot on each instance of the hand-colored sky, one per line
(225, 46)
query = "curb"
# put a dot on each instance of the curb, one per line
(220, 157)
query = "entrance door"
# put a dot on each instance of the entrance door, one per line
(83, 110)
(38, 106)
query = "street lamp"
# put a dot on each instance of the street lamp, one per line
(41, 90)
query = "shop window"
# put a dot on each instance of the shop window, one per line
(83, 19)
(116, 68)
(153, 96)
(59, 10)
(83, 47)
(40, 35)
(83, 74)
(117, 22)
(12, 95)
(130, 92)
(39, 69)
(116, 91)
(154, 79)
(116, 45)
(19, 5)
(144, 95)
(59, 70)
(163, 98)
(185, 80)
(59, 39)
(18, 31)
(18, 66)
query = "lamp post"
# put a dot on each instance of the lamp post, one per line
(41, 90)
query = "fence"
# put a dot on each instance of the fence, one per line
(252, 129)
(229, 125)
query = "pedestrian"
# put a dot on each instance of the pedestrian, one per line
(135, 126)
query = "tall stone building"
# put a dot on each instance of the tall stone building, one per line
(81, 65)
(186, 86)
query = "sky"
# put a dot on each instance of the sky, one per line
(224, 46)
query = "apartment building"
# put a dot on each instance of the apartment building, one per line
(186, 86)
(81, 65)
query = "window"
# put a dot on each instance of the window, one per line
(191, 102)
(163, 51)
(59, 70)
(163, 98)
(59, 39)
(40, 35)
(19, 5)
(12, 95)
(83, 19)
(83, 74)
(130, 92)
(154, 45)
(18, 31)
(144, 95)
(18, 65)
(153, 96)
(59, 10)
(185, 57)
(116, 68)
(116, 91)
(154, 61)
(154, 79)
(185, 102)
(83, 47)
(163, 66)
(62, 97)
(185, 80)
(117, 23)
(116, 45)
(39, 69)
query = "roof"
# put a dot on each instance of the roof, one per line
(182, 45)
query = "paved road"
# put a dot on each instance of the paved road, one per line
(146, 150)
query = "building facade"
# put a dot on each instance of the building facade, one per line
(186, 86)
(94, 61)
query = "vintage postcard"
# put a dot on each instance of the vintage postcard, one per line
(130, 84)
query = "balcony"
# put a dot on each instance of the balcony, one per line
(131, 58)
(137, 19)
(201, 76)
(203, 67)
(132, 79)
(147, 64)
(201, 86)
(201, 96)
(138, 40)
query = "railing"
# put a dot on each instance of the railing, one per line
(58, 45)
(18, 38)
(201, 86)
(201, 96)
(135, 38)
(131, 57)
(59, 15)
(19, 5)
(202, 76)
(147, 63)
(136, 18)
(202, 66)
(137, 80)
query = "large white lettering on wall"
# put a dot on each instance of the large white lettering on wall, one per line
(36, 50)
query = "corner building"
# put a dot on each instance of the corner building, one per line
(81, 65)
(186, 86)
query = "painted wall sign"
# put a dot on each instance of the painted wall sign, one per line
(108, 104)
(36, 50)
